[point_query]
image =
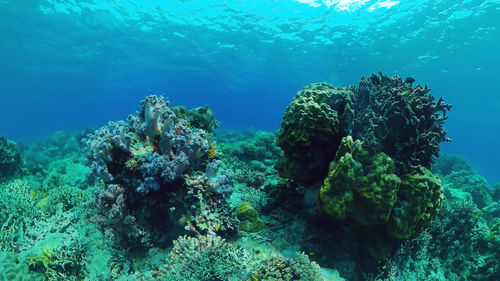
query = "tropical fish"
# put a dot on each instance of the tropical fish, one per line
(409, 80)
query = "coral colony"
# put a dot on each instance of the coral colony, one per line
(352, 187)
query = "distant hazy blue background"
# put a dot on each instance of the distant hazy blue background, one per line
(70, 64)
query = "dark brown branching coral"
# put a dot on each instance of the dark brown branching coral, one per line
(400, 119)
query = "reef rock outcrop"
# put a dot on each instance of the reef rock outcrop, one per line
(373, 146)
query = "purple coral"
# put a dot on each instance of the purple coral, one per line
(220, 178)
(100, 145)
(151, 149)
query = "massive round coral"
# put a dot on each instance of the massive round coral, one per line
(311, 130)
(363, 190)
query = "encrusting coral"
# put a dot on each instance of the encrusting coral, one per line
(360, 186)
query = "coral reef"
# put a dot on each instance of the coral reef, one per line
(161, 200)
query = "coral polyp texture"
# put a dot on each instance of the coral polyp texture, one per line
(381, 138)
(312, 128)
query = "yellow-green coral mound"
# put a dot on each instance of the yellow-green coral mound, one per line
(419, 199)
(312, 127)
(360, 185)
(363, 189)
(249, 220)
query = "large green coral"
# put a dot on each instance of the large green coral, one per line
(249, 220)
(362, 188)
(312, 128)
(419, 199)
(360, 185)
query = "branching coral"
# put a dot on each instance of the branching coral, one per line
(279, 268)
(207, 258)
(401, 119)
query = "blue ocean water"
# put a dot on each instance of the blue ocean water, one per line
(70, 64)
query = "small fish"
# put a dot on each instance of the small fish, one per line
(409, 80)
(217, 227)
(311, 254)
(405, 92)
(33, 193)
(255, 278)
(45, 194)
